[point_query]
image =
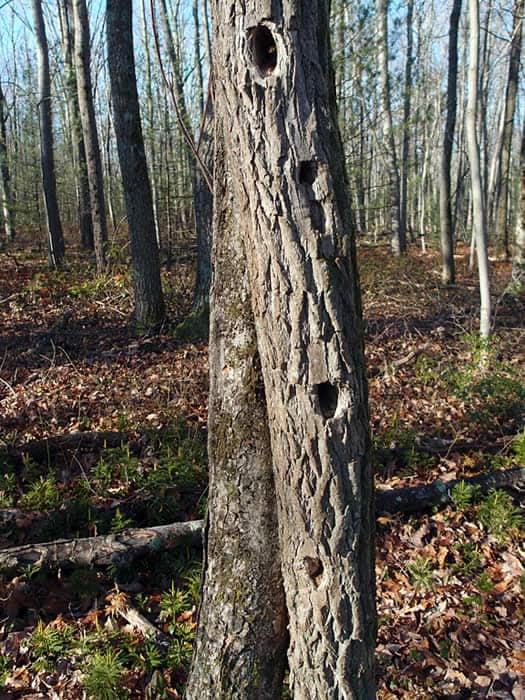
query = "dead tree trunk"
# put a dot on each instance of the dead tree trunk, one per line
(276, 95)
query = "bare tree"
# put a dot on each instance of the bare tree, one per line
(75, 128)
(511, 91)
(292, 237)
(5, 177)
(149, 302)
(392, 169)
(47, 160)
(89, 128)
(517, 284)
(445, 208)
(478, 204)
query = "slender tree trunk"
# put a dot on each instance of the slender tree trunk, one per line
(89, 129)
(5, 176)
(448, 271)
(79, 152)
(284, 156)
(389, 146)
(151, 146)
(478, 216)
(517, 284)
(47, 160)
(407, 108)
(149, 303)
(502, 228)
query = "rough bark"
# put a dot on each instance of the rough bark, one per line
(398, 239)
(47, 160)
(242, 637)
(89, 128)
(5, 177)
(478, 205)
(276, 93)
(448, 272)
(149, 303)
(502, 229)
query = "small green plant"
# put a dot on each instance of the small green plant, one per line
(192, 581)
(116, 464)
(420, 571)
(518, 447)
(172, 604)
(103, 676)
(5, 669)
(41, 495)
(484, 583)
(463, 495)
(499, 515)
(119, 522)
(49, 643)
(179, 653)
(7, 490)
(470, 559)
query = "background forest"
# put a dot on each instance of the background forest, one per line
(103, 348)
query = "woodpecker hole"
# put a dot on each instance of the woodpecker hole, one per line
(307, 172)
(328, 395)
(314, 568)
(264, 49)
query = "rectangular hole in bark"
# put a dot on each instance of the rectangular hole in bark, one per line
(328, 395)
(263, 49)
(307, 172)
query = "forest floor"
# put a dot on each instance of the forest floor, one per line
(451, 582)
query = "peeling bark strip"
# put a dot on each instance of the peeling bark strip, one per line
(275, 90)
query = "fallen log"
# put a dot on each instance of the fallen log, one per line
(117, 549)
(42, 450)
(414, 499)
(121, 549)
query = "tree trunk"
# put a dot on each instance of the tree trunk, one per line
(407, 107)
(284, 156)
(242, 637)
(47, 161)
(478, 215)
(89, 129)
(5, 178)
(398, 237)
(448, 272)
(77, 139)
(149, 303)
(517, 284)
(502, 228)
